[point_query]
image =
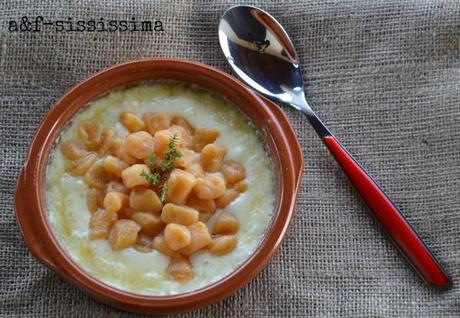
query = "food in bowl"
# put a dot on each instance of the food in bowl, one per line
(159, 189)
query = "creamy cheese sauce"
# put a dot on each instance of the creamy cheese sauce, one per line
(144, 273)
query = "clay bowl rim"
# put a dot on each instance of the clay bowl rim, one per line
(285, 152)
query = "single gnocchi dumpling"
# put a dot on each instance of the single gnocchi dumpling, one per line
(115, 201)
(118, 149)
(133, 175)
(226, 223)
(156, 122)
(180, 184)
(203, 137)
(108, 138)
(180, 268)
(123, 234)
(114, 166)
(225, 199)
(131, 122)
(240, 187)
(100, 223)
(96, 176)
(202, 205)
(159, 243)
(200, 238)
(233, 171)
(181, 121)
(210, 187)
(80, 166)
(90, 134)
(212, 157)
(162, 139)
(150, 224)
(180, 214)
(94, 199)
(184, 138)
(140, 144)
(73, 149)
(222, 244)
(145, 200)
(177, 236)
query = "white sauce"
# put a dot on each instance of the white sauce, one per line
(144, 273)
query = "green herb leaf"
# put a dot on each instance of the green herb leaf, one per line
(168, 165)
(164, 192)
(172, 154)
(153, 178)
(161, 176)
(152, 162)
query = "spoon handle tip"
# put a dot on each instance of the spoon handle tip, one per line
(390, 218)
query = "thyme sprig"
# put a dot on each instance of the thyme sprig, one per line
(172, 154)
(164, 192)
(161, 175)
(152, 162)
(152, 178)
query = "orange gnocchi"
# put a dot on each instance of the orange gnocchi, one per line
(224, 244)
(180, 268)
(210, 187)
(73, 149)
(145, 199)
(133, 176)
(177, 236)
(115, 201)
(163, 187)
(140, 144)
(123, 234)
(180, 184)
(156, 122)
(131, 122)
(173, 213)
(212, 157)
(114, 165)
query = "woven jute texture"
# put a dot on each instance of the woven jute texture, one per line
(384, 75)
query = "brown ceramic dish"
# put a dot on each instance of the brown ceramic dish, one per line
(276, 131)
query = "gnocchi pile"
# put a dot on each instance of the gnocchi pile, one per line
(165, 186)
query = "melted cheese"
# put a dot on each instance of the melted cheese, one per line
(144, 273)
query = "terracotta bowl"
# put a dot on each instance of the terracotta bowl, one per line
(276, 131)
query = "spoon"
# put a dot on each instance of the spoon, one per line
(262, 54)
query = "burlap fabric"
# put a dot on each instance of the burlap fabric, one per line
(384, 75)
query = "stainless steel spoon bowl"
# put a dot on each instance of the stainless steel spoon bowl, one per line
(262, 54)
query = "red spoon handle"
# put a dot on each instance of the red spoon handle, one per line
(389, 216)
